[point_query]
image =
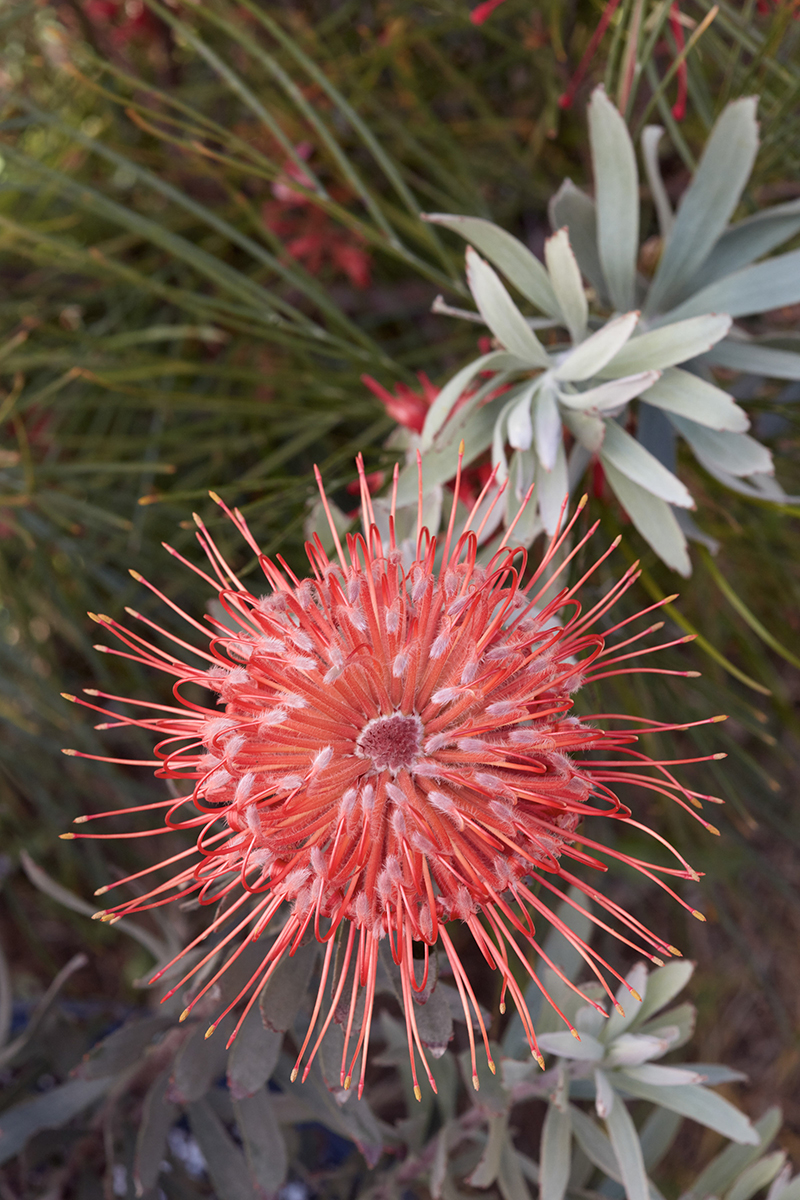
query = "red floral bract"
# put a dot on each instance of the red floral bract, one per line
(392, 749)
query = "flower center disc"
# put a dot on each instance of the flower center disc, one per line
(391, 742)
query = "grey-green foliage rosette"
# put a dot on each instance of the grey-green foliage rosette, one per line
(653, 341)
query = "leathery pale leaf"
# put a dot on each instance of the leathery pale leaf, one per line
(547, 427)
(773, 283)
(622, 451)
(747, 240)
(668, 345)
(688, 395)
(663, 985)
(501, 313)
(555, 1160)
(708, 202)
(612, 396)
(594, 1143)
(573, 210)
(453, 390)
(565, 277)
(617, 198)
(512, 257)
(651, 136)
(520, 422)
(591, 356)
(755, 358)
(654, 520)
(552, 487)
(735, 453)
(699, 1104)
(625, 1142)
(723, 1170)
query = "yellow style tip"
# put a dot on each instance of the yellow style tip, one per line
(635, 995)
(658, 961)
(135, 575)
(699, 915)
(90, 692)
(584, 500)
(67, 837)
(540, 1060)
(183, 1015)
(69, 754)
(348, 1079)
(619, 1008)
(674, 950)
(67, 696)
(719, 756)
(721, 717)
(616, 541)
(476, 1083)
(693, 674)
(417, 1088)
(197, 520)
(492, 1067)
(131, 611)
(98, 916)
(101, 891)
(670, 599)
(209, 1032)
(104, 619)
(215, 497)
(502, 1007)
(79, 820)
(712, 829)
(294, 1074)
(575, 1034)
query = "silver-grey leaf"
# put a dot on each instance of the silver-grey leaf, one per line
(773, 283)
(751, 356)
(501, 313)
(699, 1104)
(628, 1151)
(747, 241)
(573, 210)
(600, 349)
(514, 259)
(651, 136)
(654, 520)
(668, 345)
(735, 453)
(565, 277)
(707, 204)
(628, 456)
(554, 1160)
(724, 1169)
(688, 395)
(617, 198)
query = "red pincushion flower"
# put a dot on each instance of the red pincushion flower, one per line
(395, 751)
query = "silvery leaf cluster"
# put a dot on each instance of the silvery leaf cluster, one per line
(628, 338)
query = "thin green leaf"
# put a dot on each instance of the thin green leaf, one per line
(744, 612)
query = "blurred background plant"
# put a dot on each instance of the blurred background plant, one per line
(210, 224)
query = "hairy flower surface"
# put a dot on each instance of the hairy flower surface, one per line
(391, 748)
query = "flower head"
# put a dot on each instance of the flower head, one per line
(391, 747)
